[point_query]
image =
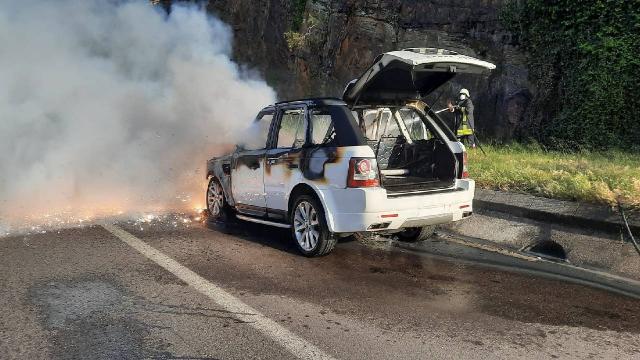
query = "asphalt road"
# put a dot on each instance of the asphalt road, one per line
(190, 292)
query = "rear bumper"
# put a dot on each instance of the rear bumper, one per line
(369, 209)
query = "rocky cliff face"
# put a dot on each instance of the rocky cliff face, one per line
(338, 39)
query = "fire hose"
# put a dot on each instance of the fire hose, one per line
(626, 225)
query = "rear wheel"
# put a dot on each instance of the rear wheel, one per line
(417, 233)
(309, 227)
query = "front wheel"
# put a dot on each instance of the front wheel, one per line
(216, 203)
(309, 227)
(417, 233)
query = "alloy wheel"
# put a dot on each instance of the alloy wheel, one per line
(306, 225)
(215, 198)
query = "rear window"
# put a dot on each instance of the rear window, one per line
(334, 125)
(322, 129)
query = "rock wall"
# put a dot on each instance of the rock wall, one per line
(339, 39)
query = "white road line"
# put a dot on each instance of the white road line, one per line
(293, 343)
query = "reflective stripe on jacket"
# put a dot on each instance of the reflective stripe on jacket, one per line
(466, 125)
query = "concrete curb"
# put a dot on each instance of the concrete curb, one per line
(573, 214)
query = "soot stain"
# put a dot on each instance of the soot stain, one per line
(311, 161)
(314, 161)
(250, 161)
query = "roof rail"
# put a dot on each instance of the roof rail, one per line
(309, 100)
(431, 51)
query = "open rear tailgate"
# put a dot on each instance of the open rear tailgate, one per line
(398, 76)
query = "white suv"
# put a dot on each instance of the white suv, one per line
(377, 161)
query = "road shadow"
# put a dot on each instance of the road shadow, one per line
(277, 238)
(271, 236)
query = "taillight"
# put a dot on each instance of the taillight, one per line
(465, 168)
(362, 173)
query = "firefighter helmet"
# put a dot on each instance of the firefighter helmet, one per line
(465, 92)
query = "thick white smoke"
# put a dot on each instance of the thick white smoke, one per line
(114, 106)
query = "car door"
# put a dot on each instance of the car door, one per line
(284, 158)
(247, 172)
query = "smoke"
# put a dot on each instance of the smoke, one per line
(112, 106)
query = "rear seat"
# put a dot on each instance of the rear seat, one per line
(388, 151)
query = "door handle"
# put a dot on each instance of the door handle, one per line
(272, 161)
(292, 166)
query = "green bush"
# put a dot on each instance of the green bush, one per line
(295, 40)
(583, 59)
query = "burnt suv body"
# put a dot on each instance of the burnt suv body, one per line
(376, 161)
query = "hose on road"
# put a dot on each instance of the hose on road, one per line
(626, 224)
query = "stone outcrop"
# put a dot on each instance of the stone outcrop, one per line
(339, 39)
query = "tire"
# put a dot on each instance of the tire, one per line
(218, 210)
(309, 228)
(417, 234)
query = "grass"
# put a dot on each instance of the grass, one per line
(596, 177)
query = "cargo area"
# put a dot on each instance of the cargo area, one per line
(410, 152)
(413, 147)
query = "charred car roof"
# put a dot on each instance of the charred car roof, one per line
(321, 101)
(347, 131)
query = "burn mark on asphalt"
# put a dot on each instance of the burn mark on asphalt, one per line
(100, 337)
(89, 320)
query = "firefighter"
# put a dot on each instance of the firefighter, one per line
(464, 126)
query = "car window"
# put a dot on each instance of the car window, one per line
(258, 133)
(416, 128)
(370, 124)
(292, 129)
(388, 126)
(322, 129)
